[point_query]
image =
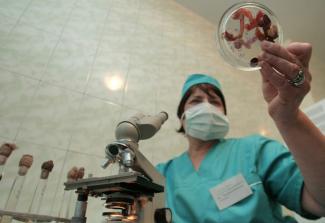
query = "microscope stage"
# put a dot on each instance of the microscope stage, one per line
(129, 182)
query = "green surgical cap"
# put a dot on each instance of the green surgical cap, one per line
(195, 79)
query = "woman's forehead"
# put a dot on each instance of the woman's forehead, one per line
(197, 92)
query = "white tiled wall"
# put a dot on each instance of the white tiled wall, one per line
(57, 58)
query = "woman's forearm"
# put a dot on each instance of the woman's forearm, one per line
(307, 145)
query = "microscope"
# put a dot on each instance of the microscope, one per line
(136, 193)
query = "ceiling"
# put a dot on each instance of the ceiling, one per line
(301, 20)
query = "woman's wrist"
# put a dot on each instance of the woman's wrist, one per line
(287, 119)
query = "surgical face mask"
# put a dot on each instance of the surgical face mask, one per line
(206, 122)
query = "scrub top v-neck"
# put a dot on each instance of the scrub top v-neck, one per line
(267, 167)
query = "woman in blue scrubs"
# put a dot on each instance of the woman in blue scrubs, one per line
(248, 179)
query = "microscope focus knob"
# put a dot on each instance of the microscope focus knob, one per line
(163, 215)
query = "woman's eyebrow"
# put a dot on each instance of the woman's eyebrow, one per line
(215, 98)
(196, 97)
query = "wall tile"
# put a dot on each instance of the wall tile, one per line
(16, 94)
(13, 9)
(48, 15)
(94, 126)
(70, 65)
(95, 4)
(141, 84)
(26, 51)
(116, 41)
(49, 120)
(85, 24)
(6, 25)
(108, 76)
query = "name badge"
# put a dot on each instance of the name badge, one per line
(231, 191)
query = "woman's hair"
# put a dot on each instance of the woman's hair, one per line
(206, 88)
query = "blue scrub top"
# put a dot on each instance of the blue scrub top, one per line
(266, 165)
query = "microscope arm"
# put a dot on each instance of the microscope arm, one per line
(128, 133)
(145, 167)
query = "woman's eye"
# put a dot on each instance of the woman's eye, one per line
(194, 101)
(215, 102)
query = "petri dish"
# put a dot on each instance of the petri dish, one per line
(241, 30)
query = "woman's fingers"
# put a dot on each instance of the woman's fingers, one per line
(277, 50)
(286, 78)
(272, 76)
(288, 61)
(302, 51)
(283, 85)
(285, 67)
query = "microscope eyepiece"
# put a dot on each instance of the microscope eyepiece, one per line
(112, 149)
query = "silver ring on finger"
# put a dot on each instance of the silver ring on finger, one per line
(299, 79)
